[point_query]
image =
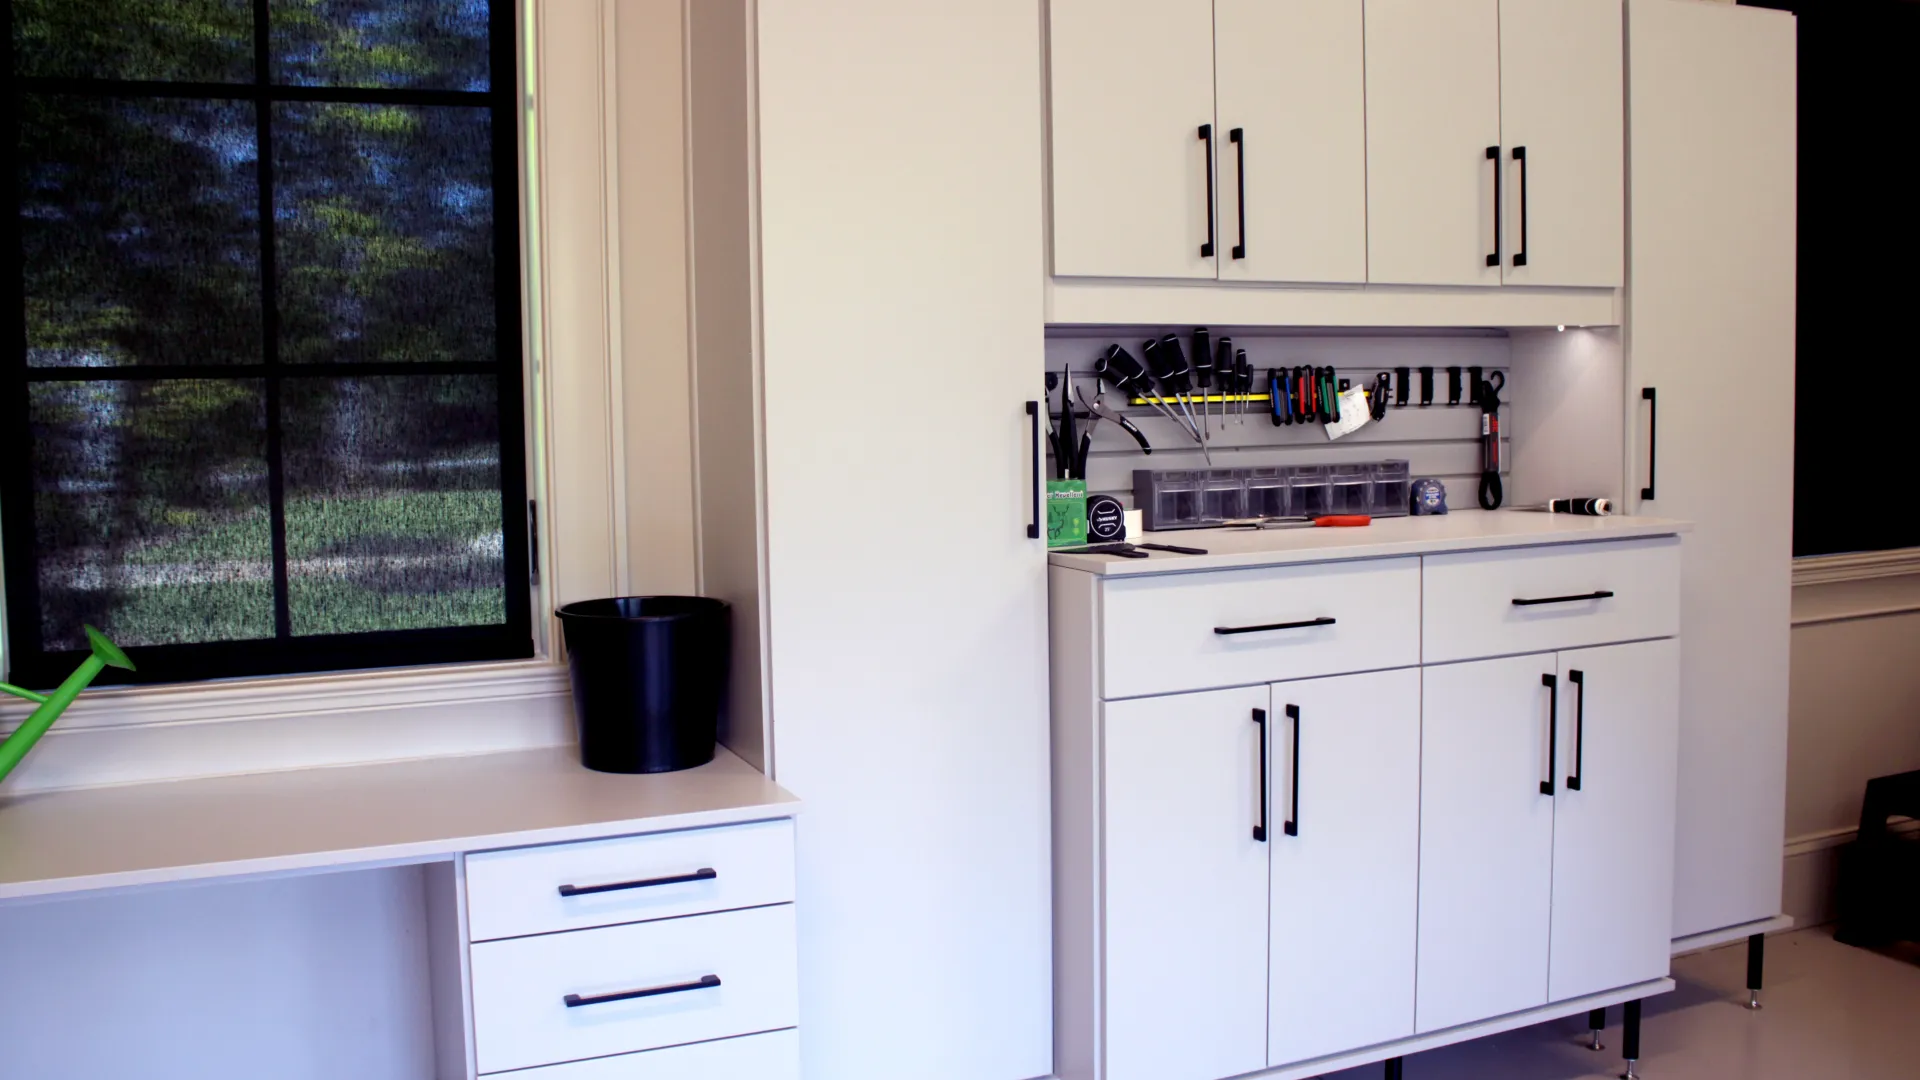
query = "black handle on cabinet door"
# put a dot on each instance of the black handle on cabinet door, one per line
(1292, 824)
(704, 982)
(1579, 679)
(1553, 730)
(1499, 203)
(1260, 830)
(1239, 140)
(1323, 620)
(1520, 155)
(1653, 437)
(705, 873)
(1597, 594)
(1033, 418)
(1206, 180)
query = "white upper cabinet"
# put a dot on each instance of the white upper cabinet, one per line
(1290, 80)
(1562, 118)
(1433, 115)
(1131, 86)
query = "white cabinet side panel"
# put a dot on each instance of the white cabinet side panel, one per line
(1073, 608)
(900, 188)
(1711, 306)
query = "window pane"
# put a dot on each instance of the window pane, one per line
(139, 231)
(413, 44)
(385, 224)
(172, 40)
(393, 503)
(150, 509)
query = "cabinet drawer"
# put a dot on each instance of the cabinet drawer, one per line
(1235, 627)
(773, 1056)
(516, 892)
(1499, 603)
(521, 987)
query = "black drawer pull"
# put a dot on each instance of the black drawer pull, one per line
(1302, 624)
(1579, 680)
(1260, 830)
(1597, 594)
(705, 873)
(1292, 825)
(1553, 731)
(705, 982)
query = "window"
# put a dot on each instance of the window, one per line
(261, 407)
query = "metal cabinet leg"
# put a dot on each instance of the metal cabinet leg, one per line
(1756, 961)
(1630, 1041)
(1395, 1069)
(1596, 1020)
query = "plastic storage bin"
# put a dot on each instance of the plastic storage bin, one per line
(1170, 499)
(1352, 488)
(1267, 493)
(1312, 490)
(1225, 495)
(1392, 487)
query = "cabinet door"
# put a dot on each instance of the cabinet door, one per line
(1486, 839)
(1613, 818)
(1563, 105)
(1346, 878)
(1186, 887)
(1131, 84)
(1433, 109)
(1711, 95)
(1290, 78)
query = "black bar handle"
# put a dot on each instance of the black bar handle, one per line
(1292, 824)
(1520, 155)
(704, 982)
(1033, 418)
(1579, 679)
(1597, 594)
(705, 873)
(1239, 140)
(1260, 830)
(1653, 437)
(1553, 730)
(1321, 621)
(1206, 180)
(1499, 202)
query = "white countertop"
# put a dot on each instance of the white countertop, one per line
(334, 818)
(1464, 530)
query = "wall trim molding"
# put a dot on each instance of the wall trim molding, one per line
(1856, 566)
(1857, 585)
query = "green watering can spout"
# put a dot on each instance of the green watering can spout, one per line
(104, 654)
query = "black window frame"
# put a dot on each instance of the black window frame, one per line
(29, 662)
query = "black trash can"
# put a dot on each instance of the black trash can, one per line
(649, 673)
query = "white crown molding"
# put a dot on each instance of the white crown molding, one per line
(1856, 566)
(1859, 585)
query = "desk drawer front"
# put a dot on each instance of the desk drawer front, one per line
(1569, 597)
(773, 1056)
(1235, 627)
(635, 987)
(665, 875)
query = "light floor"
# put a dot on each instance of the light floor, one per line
(1831, 1012)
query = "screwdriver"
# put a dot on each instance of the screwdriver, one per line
(1127, 376)
(1183, 385)
(1242, 382)
(1223, 363)
(1168, 372)
(1202, 371)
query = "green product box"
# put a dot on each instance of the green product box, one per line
(1066, 513)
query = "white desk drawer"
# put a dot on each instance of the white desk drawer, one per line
(628, 879)
(773, 1056)
(1500, 603)
(521, 987)
(1236, 627)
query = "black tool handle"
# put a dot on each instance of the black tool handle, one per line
(705, 873)
(1033, 417)
(1301, 625)
(1493, 155)
(704, 982)
(1292, 825)
(1239, 139)
(1453, 385)
(1579, 679)
(1597, 594)
(1202, 357)
(1552, 683)
(1206, 181)
(1653, 437)
(1426, 386)
(1260, 830)
(1402, 386)
(1520, 155)
(1127, 426)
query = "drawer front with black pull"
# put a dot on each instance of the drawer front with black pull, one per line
(539, 890)
(564, 997)
(1503, 603)
(1178, 632)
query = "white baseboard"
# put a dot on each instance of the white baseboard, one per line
(1811, 870)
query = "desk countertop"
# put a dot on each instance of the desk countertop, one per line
(309, 820)
(1467, 530)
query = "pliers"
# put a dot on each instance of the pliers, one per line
(1102, 411)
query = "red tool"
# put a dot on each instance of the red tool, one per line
(1329, 521)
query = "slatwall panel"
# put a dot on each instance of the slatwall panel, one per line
(1439, 441)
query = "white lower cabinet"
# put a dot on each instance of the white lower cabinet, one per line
(1346, 777)
(773, 1056)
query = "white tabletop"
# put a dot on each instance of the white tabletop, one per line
(1465, 530)
(334, 818)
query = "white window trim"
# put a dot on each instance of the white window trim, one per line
(579, 475)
